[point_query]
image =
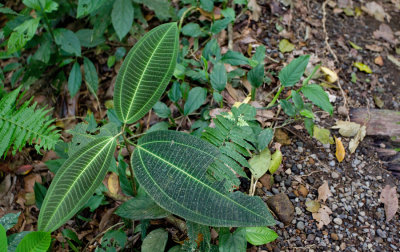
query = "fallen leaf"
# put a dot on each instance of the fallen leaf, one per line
(374, 48)
(312, 206)
(29, 181)
(394, 60)
(347, 129)
(357, 139)
(389, 197)
(324, 192)
(113, 183)
(331, 76)
(355, 46)
(378, 101)
(376, 10)
(323, 135)
(255, 10)
(281, 137)
(214, 15)
(322, 216)
(285, 46)
(362, 67)
(386, 33)
(379, 61)
(340, 152)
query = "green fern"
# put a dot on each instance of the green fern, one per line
(235, 136)
(25, 124)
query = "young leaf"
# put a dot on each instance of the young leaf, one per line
(146, 72)
(235, 241)
(45, 5)
(122, 17)
(3, 239)
(162, 109)
(264, 138)
(22, 34)
(75, 182)
(35, 241)
(74, 79)
(297, 100)
(260, 163)
(175, 93)
(234, 58)
(207, 5)
(155, 241)
(192, 30)
(219, 77)
(287, 108)
(86, 7)
(317, 95)
(260, 235)
(259, 55)
(92, 81)
(196, 98)
(68, 41)
(256, 75)
(219, 25)
(171, 167)
(276, 161)
(292, 73)
(40, 193)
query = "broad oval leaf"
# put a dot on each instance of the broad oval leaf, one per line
(171, 167)
(292, 73)
(35, 242)
(75, 182)
(145, 73)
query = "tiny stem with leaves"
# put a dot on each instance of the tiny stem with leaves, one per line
(183, 16)
(133, 183)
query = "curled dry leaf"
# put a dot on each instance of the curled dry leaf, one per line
(347, 129)
(331, 76)
(390, 198)
(376, 10)
(340, 152)
(255, 8)
(113, 183)
(322, 216)
(386, 33)
(357, 139)
(324, 192)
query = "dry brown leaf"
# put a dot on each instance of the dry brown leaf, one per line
(340, 152)
(324, 192)
(379, 61)
(29, 181)
(255, 10)
(347, 129)
(376, 10)
(113, 183)
(389, 197)
(374, 48)
(394, 60)
(386, 33)
(357, 139)
(282, 138)
(322, 216)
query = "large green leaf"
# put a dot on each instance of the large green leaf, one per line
(171, 167)
(75, 182)
(145, 73)
(292, 73)
(317, 95)
(35, 242)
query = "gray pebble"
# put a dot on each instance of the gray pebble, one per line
(338, 221)
(300, 225)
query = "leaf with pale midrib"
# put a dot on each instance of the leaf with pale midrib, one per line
(75, 182)
(171, 167)
(145, 73)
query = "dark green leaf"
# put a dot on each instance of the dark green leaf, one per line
(111, 61)
(9, 220)
(234, 58)
(68, 233)
(74, 79)
(195, 231)
(43, 53)
(211, 49)
(118, 236)
(219, 77)
(122, 17)
(192, 30)
(288, 108)
(120, 53)
(155, 241)
(40, 193)
(35, 241)
(197, 96)
(3, 239)
(175, 93)
(207, 5)
(264, 138)
(88, 39)
(159, 126)
(259, 55)
(39, 5)
(256, 76)
(218, 98)
(219, 25)
(317, 95)
(92, 81)
(22, 34)
(260, 235)
(86, 7)
(309, 124)
(162, 8)
(235, 241)
(161, 109)
(68, 41)
(297, 100)
(15, 239)
(292, 73)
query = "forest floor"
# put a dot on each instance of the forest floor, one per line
(355, 218)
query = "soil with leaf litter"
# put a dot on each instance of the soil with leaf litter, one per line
(352, 216)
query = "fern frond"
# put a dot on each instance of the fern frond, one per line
(234, 136)
(25, 124)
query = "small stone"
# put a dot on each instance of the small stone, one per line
(303, 191)
(310, 180)
(335, 175)
(278, 178)
(288, 171)
(275, 190)
(338, 221)
(288, 182)
(343, 111)
(334, 236)
(298, 211)
(381, 233)
(281, 205)
(266, 181)
(300, 225)
(332, 163)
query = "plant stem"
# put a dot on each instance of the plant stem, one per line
(275, 97)
(253, 93)
(183, 16)
(46, 21)
(133, 183)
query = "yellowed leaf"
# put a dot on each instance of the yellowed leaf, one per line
(357, 139)
(285, 46)
(331, 76)
(340, 152)
(355, 46)
(347, 129)
(312, 206)
(362, 67)
(113, 183)
(324, 192)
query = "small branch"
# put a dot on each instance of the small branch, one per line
(180, 224)
(133, 183)
(183, 17)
